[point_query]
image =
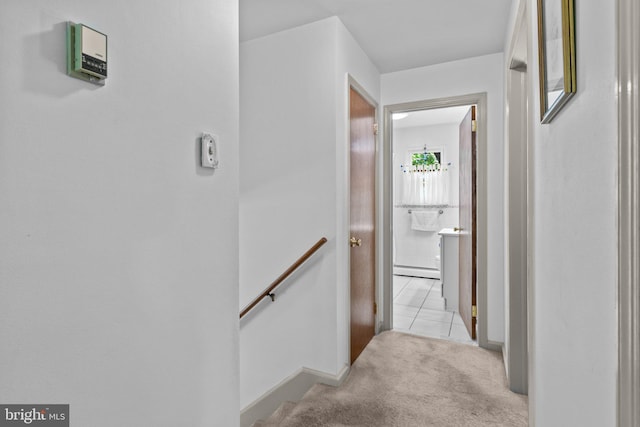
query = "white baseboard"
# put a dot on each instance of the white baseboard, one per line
(427, 273)
(493, 346)
(290, 389)
(505, 360)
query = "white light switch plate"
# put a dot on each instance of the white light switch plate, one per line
(209, 150)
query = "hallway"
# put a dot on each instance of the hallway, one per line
(125, 257)
(406, 380)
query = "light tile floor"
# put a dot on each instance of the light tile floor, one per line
(418, 308)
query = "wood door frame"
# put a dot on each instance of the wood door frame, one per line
(467, 221)
(479, 99)
(628, 37)
(353, 84)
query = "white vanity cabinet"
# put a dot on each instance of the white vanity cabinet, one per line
(449, 267)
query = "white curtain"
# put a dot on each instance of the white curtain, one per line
(425, 187)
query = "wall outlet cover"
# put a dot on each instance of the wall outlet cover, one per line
(209, 150)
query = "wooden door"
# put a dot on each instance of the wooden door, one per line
(362, 222)
(467, 239)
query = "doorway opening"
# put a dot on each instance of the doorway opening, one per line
(430, 187)
(426, 216)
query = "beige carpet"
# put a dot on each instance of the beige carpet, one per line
(406, 380)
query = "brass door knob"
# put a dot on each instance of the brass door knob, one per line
(355, 242)
(457, 228)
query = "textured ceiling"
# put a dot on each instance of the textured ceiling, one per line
(395, 34)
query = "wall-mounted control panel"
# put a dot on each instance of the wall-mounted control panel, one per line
(209, 150)
(86, 53)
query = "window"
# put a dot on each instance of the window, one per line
(426, 158)
(419, 158)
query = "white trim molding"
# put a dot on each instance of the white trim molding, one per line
(629, 213)
(291, 389)
(518, 205)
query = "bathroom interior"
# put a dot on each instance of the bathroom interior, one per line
(425, 220)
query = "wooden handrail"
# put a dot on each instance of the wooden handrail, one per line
(283, 276)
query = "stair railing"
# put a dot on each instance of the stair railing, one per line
(268, 292)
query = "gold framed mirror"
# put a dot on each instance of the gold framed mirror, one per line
(556, 55)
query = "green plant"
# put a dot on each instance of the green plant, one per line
(424, 159)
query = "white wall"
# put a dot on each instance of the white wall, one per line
(575, 209)
(112, 299)
(287, 203)
(473, 75)
(293, 168)
(419, 248)
(513, 15)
